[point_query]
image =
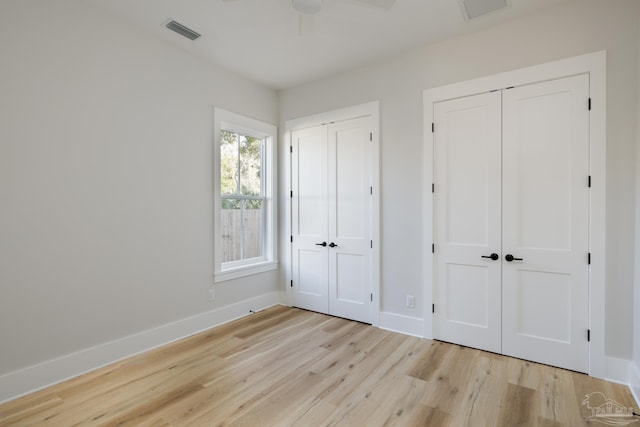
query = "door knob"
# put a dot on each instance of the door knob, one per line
(332, 245)
(510, 258)
(323, 244)
(494, 256)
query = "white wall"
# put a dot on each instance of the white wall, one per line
(569, 30)
(105, 180)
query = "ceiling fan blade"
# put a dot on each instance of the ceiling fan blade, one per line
(305, 24)
(378, 4)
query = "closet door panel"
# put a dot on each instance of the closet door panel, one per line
(546, 222)
(467, 217)
(349, 203)
(309, 216)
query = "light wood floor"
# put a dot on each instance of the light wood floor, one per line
(290, 367)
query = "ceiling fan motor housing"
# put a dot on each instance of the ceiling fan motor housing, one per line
(307, 7)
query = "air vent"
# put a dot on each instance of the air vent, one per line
(475, 8)
(182, 30)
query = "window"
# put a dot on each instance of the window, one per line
(244, 196)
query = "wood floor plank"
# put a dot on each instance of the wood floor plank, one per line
(408, 408)
(437, 354)
(478, 399)
(428, 416)
(25, 411)
(518, 407)
(250, 384)
(291, 367)
(367, 396)
(315, 413)
(291, 395)
(365, 357)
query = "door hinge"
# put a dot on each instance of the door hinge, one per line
(291, 148)
(589, 104)
(433, 187)
(291, 194)
(433, 308)
(589, 335)
(370, 136)
(589, 258)
(371, 191)
(433, 127)
(371, 244)
(292, 283)
(589, 181)
(433, 248)
(291, 239)
(371, 297)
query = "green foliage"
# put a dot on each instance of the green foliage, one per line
(240, 164)
(229, 203)
(228, 163)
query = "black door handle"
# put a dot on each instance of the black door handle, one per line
(509, 258)
(323, 244)
(332, 245)
(494, 256)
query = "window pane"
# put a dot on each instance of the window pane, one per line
(229, 176)
(252, 222)
(242, 229)
(250, 165)
(231, 229)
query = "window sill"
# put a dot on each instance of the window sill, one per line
(238, 272)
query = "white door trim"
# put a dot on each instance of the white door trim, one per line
(593, 64)
(362, 110)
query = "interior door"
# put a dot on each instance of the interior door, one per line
(309, 219)
(331, 218)
(468, 220)
(546, 222)
(349, 180)
(532, 301)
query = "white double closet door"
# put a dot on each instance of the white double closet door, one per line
(512, 222)
(331, 214)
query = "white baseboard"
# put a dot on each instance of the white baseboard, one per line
(36, 377)
(403, 324)
(617, 370)
(634, 381)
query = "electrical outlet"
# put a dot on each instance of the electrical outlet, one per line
(212, 294)
(411, 301)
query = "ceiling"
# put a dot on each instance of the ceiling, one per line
(261, 39)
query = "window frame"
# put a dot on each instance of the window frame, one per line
(226, 120)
